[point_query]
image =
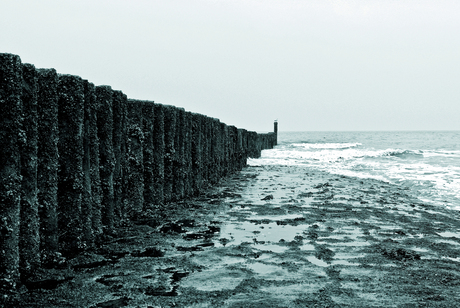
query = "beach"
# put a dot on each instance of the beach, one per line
(271, 236)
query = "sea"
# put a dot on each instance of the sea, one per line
(427, 163)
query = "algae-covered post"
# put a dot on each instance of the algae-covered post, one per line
(10, 172)
(104, 96)
(70, 185)
(29, 244)
(148, 118)
(48, 163)
(135, 175)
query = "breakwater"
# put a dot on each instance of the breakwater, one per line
(78, 160)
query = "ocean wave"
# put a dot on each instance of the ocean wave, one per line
(402, 153)
(320, 146)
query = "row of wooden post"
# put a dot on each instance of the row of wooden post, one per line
(78, 159)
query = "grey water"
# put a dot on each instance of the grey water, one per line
(424, 162)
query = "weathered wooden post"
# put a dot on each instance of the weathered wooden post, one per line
(29, 244)
(106, 155)
(10, 168)
(224, 149)
(275, 130)
(93, 225)
(134, 151)
(148, 116)
(170, 130)
(48, 164)
(119, 109)
(179, 161)
(197, 153)
(158, 154)
(188, 176)
(70, 186)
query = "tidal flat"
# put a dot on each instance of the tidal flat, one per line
(273, 236)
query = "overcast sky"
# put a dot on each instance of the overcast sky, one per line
(313, 65)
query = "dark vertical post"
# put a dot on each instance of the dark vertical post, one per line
(86, 201)
(135, 175)
(29, 244)
(159, 152)
(10, 168)
(197, 153)
(224, 156)
(48, 163)
(94, 225)
(275, 130)
(148, 116)
(119, 105)
(170, 130)
(179, 161)
(106, 156)
(70, 186)
(188, 176)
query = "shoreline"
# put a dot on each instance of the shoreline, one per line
(272, 237)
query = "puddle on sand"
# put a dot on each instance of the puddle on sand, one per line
(244, 232)
(449, 234)
(213, 280)
(263, 269)
(316, 261)
(307, 247)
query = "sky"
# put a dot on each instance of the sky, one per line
(313, 65)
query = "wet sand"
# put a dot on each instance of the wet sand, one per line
(272, 237)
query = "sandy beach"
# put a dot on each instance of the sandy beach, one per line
(271, 237)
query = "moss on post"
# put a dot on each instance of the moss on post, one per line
(70, 186)
(106, 155)
(10, 170)
(29, 244)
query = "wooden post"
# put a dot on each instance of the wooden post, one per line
(148, 117)
(10, 168)
(159, 151)
(29, 244)
(93, 225)
(188, 176)
(179, 160)
(48, 164)
(70, 186)
(197, 153)
(119, 109)
(134, 151)
(106, 155)
(170, 130)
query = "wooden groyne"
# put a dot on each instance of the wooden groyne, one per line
(77, 160)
